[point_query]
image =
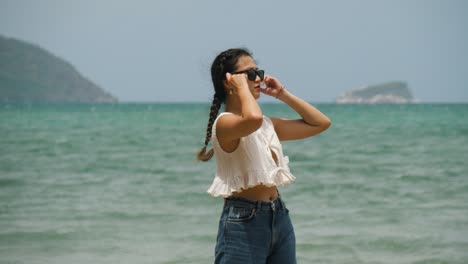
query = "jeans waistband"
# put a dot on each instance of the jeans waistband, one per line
(277, 204)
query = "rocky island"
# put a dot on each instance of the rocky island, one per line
(395, 92)
(29, 73)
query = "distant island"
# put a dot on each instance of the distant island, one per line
(390, 92)
(29, 73)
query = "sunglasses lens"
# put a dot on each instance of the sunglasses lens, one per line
(261, 74)
(251, 75)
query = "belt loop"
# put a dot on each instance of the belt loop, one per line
(259, 206)
(281, 202)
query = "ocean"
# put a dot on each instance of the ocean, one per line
(119, 183)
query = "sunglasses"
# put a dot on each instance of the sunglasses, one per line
(252, 74)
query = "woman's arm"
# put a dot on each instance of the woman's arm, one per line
(232, 127)
(312, 123)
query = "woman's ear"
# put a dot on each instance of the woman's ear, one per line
(225, 81)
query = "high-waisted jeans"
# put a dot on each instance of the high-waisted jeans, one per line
(255, 232)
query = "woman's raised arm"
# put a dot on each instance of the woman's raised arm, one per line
(312, 123)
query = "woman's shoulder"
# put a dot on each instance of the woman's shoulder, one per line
(267, 123)
(222, 114)
(215, 122)
(267, 119)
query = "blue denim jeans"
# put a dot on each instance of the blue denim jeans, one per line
(255, 232)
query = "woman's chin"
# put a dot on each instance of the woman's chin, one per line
(256, 93)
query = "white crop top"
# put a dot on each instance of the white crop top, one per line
(251, 163)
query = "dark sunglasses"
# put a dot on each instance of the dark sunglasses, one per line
(252, 74)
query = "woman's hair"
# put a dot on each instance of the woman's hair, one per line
(225, 62)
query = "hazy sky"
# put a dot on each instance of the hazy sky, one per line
(162, 50)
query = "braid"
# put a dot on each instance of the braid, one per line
(222, 61)
(225, 62)
(215, 105)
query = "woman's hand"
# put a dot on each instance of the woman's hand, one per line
(273, 87)
(236, 81)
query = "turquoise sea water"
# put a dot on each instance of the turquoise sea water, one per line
(119, 183)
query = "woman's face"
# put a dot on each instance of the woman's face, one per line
(247, 63)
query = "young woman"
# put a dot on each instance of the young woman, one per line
(255, 226)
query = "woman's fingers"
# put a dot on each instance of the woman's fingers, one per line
(236, 81)
(272, 82)
(269, 91)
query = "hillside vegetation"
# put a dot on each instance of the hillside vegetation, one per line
(29, 73)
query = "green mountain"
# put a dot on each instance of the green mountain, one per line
(29, 73)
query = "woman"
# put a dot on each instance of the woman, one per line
(255, 226)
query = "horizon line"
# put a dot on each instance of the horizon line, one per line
(208, 102)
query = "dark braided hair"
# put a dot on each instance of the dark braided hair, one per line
(225, 62)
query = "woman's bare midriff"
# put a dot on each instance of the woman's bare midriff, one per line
(258, 193)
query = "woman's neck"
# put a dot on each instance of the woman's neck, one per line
(233, 105)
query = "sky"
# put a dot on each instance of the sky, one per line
(161, 51)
